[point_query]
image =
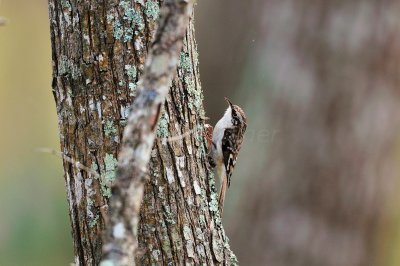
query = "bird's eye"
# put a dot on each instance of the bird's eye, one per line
(234, 113)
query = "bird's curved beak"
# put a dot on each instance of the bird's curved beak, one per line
(230, 103)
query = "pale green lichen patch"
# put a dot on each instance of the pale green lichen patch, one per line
(162, 127)
(110, 164)
(202, 220)
(93, 222)
(168, 215)
(185, 62)
(128, 35)
(192, 87)
(135, 18)
(132, 88)
(110, 18)
(118, 31)
(130, 72)
(152, 10)
(124, 4)
(109, 129)
(106, 190)
(196, 99)
(196, 58)
(131, 19)
(66, 4)
(130, 14)
(67, 67)
(213, 204)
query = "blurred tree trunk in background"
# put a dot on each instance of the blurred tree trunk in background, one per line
(229, 32)
(99, 50)
(333, 88)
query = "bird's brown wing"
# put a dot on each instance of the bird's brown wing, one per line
(230, 151)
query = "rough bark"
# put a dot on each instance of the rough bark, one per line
(333, 74)
(120, 241)
(99, 50)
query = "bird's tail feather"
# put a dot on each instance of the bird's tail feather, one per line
(222, 193)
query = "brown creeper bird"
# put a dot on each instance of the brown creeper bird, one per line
(226, 143)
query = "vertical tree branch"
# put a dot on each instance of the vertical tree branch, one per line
(138, 138)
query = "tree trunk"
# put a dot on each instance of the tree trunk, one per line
(334, 90)
(99, 48)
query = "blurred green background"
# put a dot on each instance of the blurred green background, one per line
(34, 222)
